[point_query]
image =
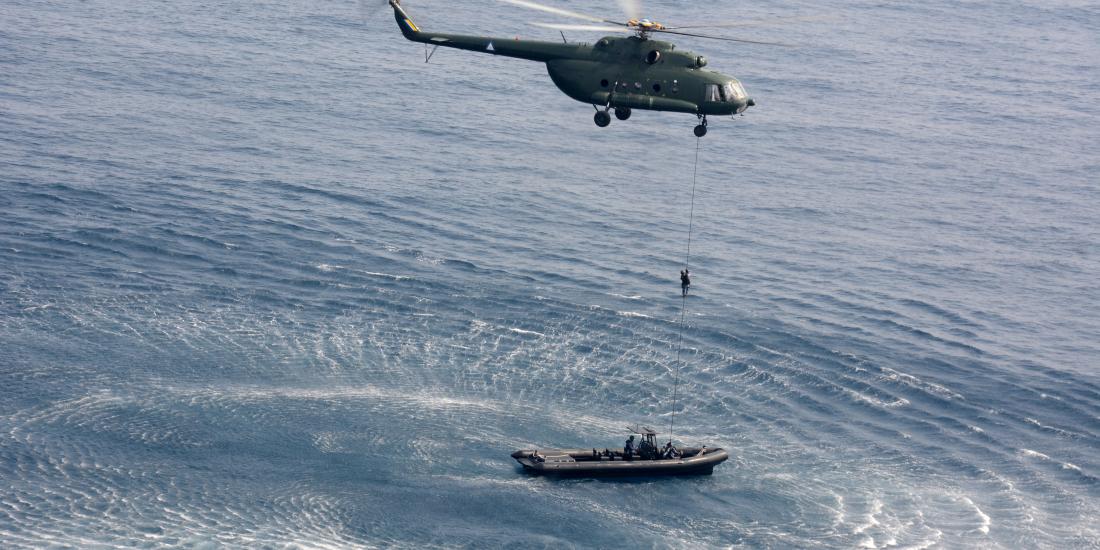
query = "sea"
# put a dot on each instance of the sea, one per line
(270, 280)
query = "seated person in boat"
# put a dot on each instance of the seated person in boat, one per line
(670, 451)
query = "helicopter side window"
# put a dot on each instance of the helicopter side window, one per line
(712, 93)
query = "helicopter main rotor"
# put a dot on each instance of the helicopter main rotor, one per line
(641, 27)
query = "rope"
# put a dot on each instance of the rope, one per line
(683, 298)
(691, 214)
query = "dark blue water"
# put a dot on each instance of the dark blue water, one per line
(267, 278)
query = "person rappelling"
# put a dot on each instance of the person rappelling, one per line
(647, 457)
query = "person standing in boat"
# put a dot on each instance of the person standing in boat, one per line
(685, 281)
(628, 448)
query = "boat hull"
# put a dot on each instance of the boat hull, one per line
(583, 463)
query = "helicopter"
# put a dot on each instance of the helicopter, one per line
(616, 73)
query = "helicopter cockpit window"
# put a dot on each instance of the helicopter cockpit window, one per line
(712, 93)
(733, 90)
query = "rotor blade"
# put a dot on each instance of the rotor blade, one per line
(631, 8)
(724, 38)
(598, 28)
(760, 23)
(558, 11)
(370, 8)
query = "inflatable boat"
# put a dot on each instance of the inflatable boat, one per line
(647, 460)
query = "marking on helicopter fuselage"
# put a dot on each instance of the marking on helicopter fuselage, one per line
(490, 47)
(411, 25)
(440, 39)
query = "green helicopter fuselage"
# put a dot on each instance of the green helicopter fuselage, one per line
(615, 72)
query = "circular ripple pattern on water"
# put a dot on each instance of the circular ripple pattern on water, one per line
(266, 280)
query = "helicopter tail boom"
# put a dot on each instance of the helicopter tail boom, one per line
(524, 49)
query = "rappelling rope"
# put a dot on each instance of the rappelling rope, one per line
(683, 298)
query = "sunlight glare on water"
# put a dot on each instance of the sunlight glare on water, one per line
(267, 279)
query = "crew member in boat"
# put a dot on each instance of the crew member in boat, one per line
(628, 448)
(670, 451)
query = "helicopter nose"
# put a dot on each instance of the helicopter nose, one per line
(751, 102)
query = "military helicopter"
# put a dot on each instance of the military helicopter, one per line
(620, 73)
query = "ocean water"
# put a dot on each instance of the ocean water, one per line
(268, 279)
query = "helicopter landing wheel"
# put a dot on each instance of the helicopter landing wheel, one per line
(602, 118)
(701, 129)
(622, 113)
